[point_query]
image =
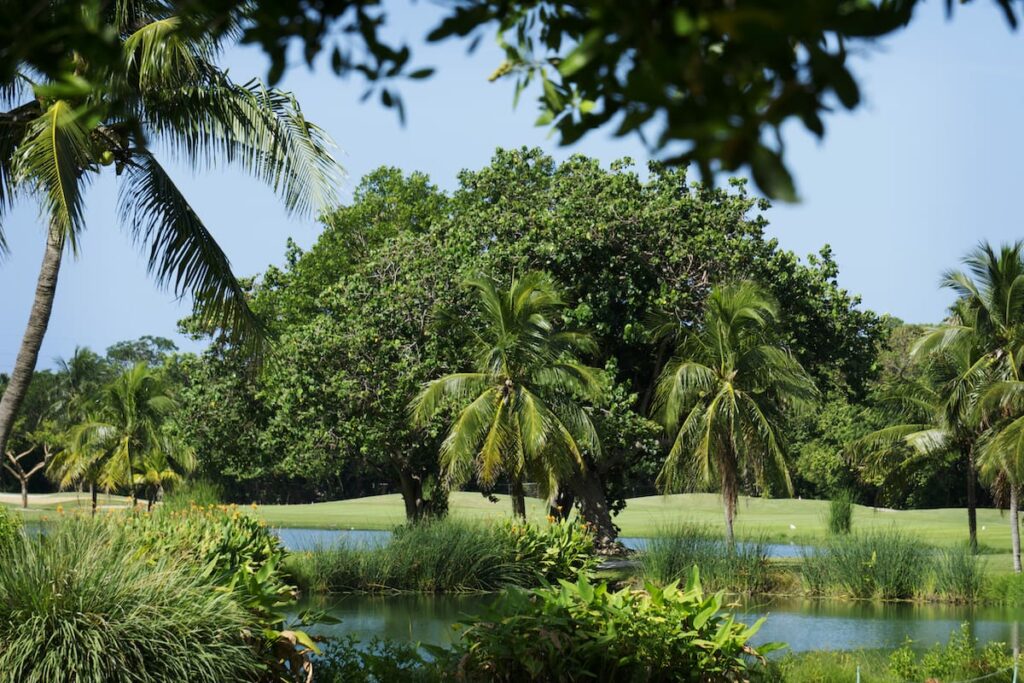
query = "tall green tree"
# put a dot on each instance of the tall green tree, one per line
(164, 89)
(519, 412)
(991, 296)
(724, 396)
(125, 443)
(934, 413)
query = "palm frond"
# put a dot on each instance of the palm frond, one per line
(50, 159)
(458, 387)
(183, 254)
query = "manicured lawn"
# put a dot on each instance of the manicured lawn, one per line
(780, 519)
(47, 504)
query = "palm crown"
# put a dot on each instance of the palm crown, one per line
(167, 92)
(722, 398)
(124, 441)
(519, 412)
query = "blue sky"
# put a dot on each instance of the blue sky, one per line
(901, 188)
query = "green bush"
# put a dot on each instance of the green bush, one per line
(959, 574)
(581, 631)
(959, 659)
(881, 564)
(672, 553)
(10, 528)
(840, 513)
(192, 493)
(75, 607)
(450, 556)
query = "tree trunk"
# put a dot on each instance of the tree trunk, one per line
(594, 506)
(24, 493)
(972, 501)
(1014, 528)
(38, 320)
(518, 498)
(730, 515)
(412, 494)
(561, 504)
(92, 494)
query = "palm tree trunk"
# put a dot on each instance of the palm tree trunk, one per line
(92, 494)
(972, 501)
(38, 320)
(1014, 528)
(518, 497)
(730, 494)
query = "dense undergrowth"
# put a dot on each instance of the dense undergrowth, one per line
(450, 556)
(189, 595)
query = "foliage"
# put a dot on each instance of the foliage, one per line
(723, 398)
(884, 564)
(10, 528)
(124, 442)
(359, 332)
(199, 493)
(519, 412)
(450, 556)
(379, 661)
(840, 513)
(960, 658)
(73, 605)
(959, 574)
(146, 349)
(560, 549)
(583, 629)
(672, 553)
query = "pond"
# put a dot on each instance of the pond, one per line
(801, 623)
(308, 539)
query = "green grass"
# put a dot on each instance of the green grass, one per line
(645, 516)
(779, 520)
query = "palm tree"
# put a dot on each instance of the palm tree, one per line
(125, 443)
(937, 413)
(723, 397)
(167, 90)
(990, 317)
(519, 411)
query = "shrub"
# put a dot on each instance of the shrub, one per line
(450, 556)
(671, 554)
(580, 629)
(193, 493)
(10, 528)
(958, 659)
(840, 513)
(881, 564)
(959, 574)
(73, 608)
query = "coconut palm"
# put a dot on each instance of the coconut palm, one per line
(125, 443)
(166, 91)
(990, 317)
(723, 397)
(519, 411)
(936, 414)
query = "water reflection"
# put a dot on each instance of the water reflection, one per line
(802, 623)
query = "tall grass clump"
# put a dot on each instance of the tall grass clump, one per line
(672, 553)
(450, 556)
(959, 574)
(193, 493)
(840, 513)
(888, 565)
(75, 606)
